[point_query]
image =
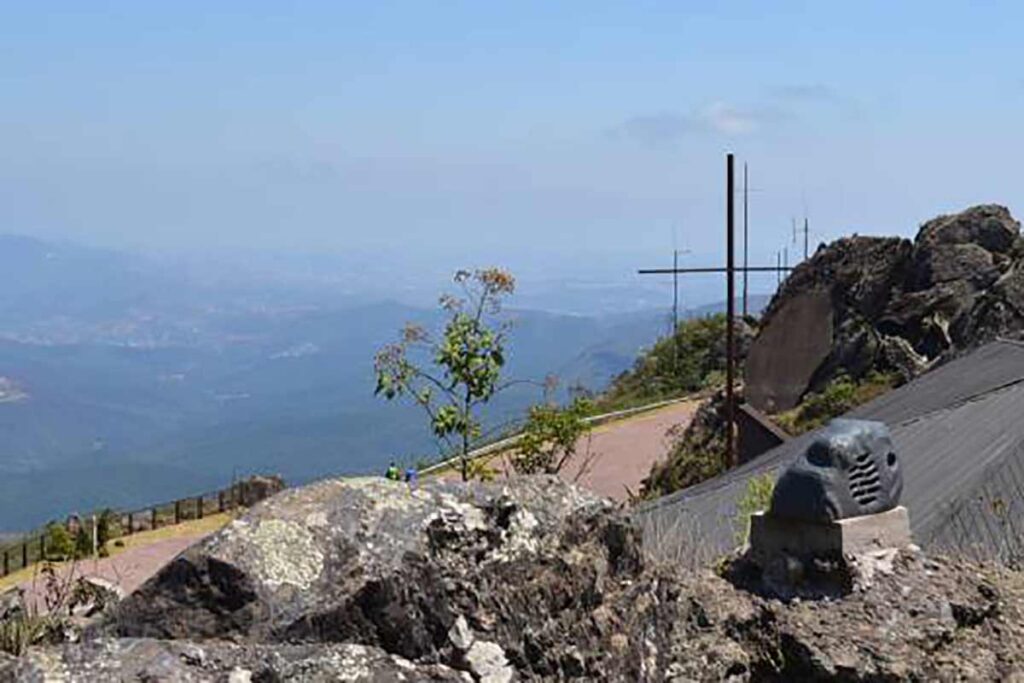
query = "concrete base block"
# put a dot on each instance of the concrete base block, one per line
(775, 536)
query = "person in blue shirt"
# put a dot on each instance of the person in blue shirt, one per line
(411, 477)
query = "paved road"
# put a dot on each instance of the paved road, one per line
(623, 451)
(129, 569)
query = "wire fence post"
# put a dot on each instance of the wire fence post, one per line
(154, 521)
(7, 563)
(24, 554)
(42, 547)
(177, 512)
(220, 500)
(199, 507)
(131, 524)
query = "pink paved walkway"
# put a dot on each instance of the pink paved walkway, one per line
(624, 451)
(129, 569)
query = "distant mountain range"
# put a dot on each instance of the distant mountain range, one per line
(126, 380)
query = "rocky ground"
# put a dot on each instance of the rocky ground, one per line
(530, 580)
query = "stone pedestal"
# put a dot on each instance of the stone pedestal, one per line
(775, 536)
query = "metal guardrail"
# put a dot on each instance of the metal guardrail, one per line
(507, 442)
(33, 547)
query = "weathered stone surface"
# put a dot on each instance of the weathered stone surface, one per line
(772, 536)
(154, 660)
(989, 226)
(562, 597)
(257, 488)
(957, 285)
(790, 348)
(373, 562)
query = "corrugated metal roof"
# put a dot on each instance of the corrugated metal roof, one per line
(950, 427)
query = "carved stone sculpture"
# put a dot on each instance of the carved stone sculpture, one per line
(849, 470)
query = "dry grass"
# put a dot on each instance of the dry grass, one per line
(678, 543)
(196, 527)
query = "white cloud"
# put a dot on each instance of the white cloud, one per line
(729, 120)
(717, 118)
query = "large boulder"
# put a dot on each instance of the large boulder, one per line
(376, 563)
(908, 617)
(535, 580)
(154, 660)
(957, 285)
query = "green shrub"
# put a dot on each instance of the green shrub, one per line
(20, 632)
(756, 498)
(691, 360)
(550, 437)
(59, 544)
(108, 527)
(841, 395)
(83, 541)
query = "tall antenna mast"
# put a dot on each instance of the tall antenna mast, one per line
(806, 231)
(675, 310)
(745, 239)
(730, 341)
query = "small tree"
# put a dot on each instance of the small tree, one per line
(83, 542)
(551, 437)
(59, 544)
(466, 360)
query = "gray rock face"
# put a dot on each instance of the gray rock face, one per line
(375, 563)
(534, 581)
(850, 469)
(957, 285)
(154, 660)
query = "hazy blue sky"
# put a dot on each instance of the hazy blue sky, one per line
(509, 125)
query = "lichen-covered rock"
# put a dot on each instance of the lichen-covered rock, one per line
(374, 562)
(533, 581)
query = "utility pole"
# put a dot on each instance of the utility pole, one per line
(730, 341)
(745, 239)
(806, 231)
(730, 271)
(675, 312)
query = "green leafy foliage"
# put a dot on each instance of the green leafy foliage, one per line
(757, 497)
(841, 395)
(452, 375)
(59, 544)
(550, 437)
(691, 360)
(83, 542)
(27, 622)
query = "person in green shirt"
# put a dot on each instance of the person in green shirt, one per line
(392, 472)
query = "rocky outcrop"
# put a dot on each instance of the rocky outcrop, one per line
(154, 660)
(896, 305)
(483, 578)
(369, 581)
